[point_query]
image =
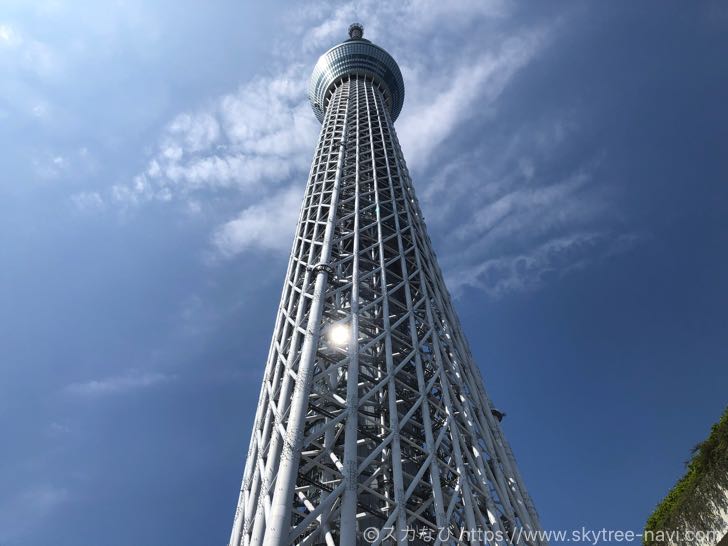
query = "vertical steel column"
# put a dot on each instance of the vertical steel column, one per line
(396, 456)
(248, 493)
(271, 464)
(351, 459)
(427, 422)
(279, 524)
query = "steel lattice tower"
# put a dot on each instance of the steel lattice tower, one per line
(372, 412)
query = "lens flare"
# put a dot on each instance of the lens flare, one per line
(339, 334)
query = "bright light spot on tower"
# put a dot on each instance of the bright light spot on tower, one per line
(339, 334)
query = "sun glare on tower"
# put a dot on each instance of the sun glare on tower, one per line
(339, 334)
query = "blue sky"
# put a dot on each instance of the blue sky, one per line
(571, 161)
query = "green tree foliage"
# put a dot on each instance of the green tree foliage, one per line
(694, 502)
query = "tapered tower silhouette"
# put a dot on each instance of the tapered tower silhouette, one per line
(372, 422)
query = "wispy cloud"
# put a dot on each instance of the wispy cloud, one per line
(260, 138)
(8, 36)
(26, 54)
(132, 381)
(88, 201)
(516, 205)
(267, 225)
(255, 144)
(56, 429)
(530, 270)
(472, 88)
(248, 141)
(62, 164)
(530, 211)
(44, 498)
(49, 166)
(28, 507)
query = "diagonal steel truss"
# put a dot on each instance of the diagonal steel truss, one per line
(392, 428)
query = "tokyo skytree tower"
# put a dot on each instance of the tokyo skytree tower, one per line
(373, 426)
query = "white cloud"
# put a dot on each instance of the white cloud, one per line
(503, 214)
(435, 111)
(44, 497)
(435, 12)
(131, 381)
(266, 225)
(530, 210)
(88, 201)
(240, 170)
(265, 131)
(197, 132)
(27, 55)
(408, 20)
(251, 140)
(530, 270)
(513, 216)
(262, 136)
(50, 165)
(40, 110)
(8, 36)
(327, 24)
(25, 509)
(56, 429)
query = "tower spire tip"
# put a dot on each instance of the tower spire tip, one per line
(356, 31)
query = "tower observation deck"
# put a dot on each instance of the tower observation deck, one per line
(373, 425)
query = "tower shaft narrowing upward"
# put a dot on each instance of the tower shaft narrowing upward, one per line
(372, 413)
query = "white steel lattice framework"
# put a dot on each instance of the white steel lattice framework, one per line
(372, 412)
